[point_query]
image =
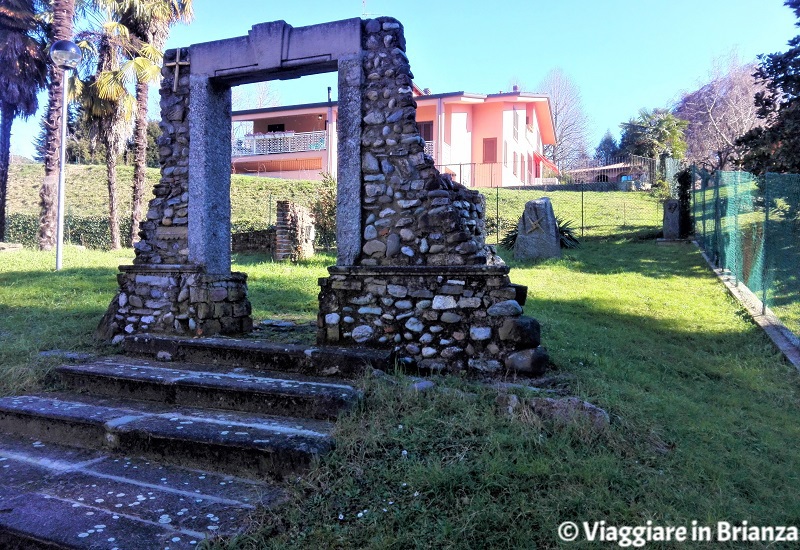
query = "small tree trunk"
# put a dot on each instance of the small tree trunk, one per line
(140, 158)
(63, 12)
(113, 218)
(6, 118)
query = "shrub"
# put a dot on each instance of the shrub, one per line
(324, 211)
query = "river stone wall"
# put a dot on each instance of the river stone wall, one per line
(162, 291)
(425, 283)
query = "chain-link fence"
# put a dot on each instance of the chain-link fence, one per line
(598, 197)
(750, 227)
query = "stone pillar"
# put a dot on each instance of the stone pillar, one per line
(210, 175)
(414, 273)
(294, 232)
(165, 290)
(348, 182)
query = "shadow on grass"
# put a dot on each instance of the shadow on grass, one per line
(615, 255)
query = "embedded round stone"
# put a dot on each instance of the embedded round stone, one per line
(370, 232)
(415, 325)
(508, 308)
(398, 291)
(362, 333)
(392, 245)
(450, 317)
(444, 302)
(531, 362)
(480, 333)
(524, 331)
(331, 318)
(374, 246)
(428, 351)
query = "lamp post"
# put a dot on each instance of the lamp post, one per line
(65, 55)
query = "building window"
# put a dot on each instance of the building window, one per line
(515, 123)
(489, 150)
(514, 166)
(522, 168)
(276, 127)
(425, 130)
(530, 169)
(505, 153)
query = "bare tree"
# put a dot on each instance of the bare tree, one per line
(251, 96)
(570, 120)
(718, 113)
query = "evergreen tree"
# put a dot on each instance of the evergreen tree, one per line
(775, 146)
(607, 149)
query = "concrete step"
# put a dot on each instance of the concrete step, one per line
(239, 389)
(258, 354)
(53, 496)
(244, 444)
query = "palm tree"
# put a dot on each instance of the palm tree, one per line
(60, 29)
(655, 134)
(108, 102)
(148, 21)
(23, 73)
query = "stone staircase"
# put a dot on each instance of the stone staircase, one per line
(141, 453)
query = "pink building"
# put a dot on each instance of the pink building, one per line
(482, 140)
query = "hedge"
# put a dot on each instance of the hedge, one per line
(88, 231)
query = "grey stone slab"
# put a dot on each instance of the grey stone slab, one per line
(239, 443)
(204, 483)
(154, 503)
(126, 495)
(67, 525)
(243, 391)
(257, 354)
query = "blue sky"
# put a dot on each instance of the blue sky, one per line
(624, 55)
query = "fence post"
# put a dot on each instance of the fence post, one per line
(497, 213)
(736, 263)
(269, 216)
(717, 220)
(764, 256)
(583, 185)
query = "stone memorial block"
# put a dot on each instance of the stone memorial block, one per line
(537, 232)
(672, 219)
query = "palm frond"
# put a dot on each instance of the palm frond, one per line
(115, 28)
(150, 52)
(111, 85)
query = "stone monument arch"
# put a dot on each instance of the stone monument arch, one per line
(413, 271)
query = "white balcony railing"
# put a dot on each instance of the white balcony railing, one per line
(429, 148)
(278, 142)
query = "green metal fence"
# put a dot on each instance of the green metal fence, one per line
(750, 227)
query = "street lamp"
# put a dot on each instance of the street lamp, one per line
(65, 55)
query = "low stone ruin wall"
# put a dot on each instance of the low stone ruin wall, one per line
(261, 241)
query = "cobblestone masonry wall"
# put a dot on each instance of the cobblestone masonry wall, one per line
(426, 283)
(162, 291)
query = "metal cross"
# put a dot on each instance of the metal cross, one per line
(177, 64)
(535, 224)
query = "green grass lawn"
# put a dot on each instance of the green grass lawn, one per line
(704, 410)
